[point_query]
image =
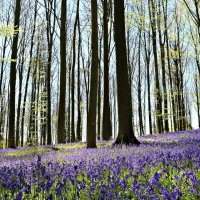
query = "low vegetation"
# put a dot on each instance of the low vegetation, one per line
(163, 167)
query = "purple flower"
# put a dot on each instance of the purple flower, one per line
(155, 179)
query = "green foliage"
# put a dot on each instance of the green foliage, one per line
(8, 30)
(1, 142)
(27, 151)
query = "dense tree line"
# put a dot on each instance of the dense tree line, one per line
(97, 70)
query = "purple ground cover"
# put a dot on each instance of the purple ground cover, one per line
(165, 166)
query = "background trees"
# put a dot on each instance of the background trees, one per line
(79, 73)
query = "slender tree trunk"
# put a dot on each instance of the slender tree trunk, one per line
(28, 74)
(2, 63)
(49, 140)
(78, 131)
(169, 71)
(11, 133)
(50, 8)
(32, 131)
(140, 115)
(21, 66)
(69, 106)
(107, 126)
(197, 98)
(147, 57)
(73, 79)
(159, 120)
(99, 97)
(162, 58)
(2, 90)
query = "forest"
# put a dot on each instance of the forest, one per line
(99, 99)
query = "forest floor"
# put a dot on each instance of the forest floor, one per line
(164, 166)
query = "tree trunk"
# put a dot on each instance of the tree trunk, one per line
(197, 99)
(78, 131)
(125, 127)
(91, 122)
(147, 57)
(73, 76)
(140, 115)
(28, 75)
(11, 133)
(107, 126)
(162, 58)
(63, 39)
(158, 101)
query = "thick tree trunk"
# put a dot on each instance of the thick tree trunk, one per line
(91, 122)
(125, 127)
(63, 39)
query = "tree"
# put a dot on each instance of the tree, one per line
(158, 101)
(195, 13)
(11, 133)
(107, 127)
(78, 130)
(32, 137)
(50, 7)
(91, 119)
(147, 50)
(28, 73)
(140, 114)
(61, 112)
(73, 76)
(20, 73)
(169, 66)
(125, 127)
(163, 66)
(196, 79)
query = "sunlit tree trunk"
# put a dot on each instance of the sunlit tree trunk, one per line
(158, 97)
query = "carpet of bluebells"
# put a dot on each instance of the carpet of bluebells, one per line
(165, 166)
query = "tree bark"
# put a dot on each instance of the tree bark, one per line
(125, 127)
(91, 122)
(11, 133)
(158, 101)
(63, 39)
(107, 126)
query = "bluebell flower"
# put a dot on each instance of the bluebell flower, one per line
(155, 179)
